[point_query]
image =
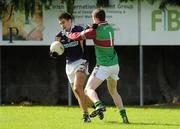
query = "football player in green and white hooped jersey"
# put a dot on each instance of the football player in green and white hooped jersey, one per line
(107, 66)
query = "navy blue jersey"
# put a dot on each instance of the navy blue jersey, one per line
(74, 50)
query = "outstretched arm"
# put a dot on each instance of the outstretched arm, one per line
(85, 34)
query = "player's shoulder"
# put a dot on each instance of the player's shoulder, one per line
(59, 34)
(77, 28)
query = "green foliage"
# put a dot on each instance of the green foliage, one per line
(102, 3)
(28, 5)
(163, 3)
(70, 6)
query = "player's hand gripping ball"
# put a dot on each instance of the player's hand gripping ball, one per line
(56, 49)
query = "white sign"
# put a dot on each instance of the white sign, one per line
(42, 27)
(122, 16)
(160, 27)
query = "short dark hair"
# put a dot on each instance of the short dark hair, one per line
(100, 14)
(65, 15)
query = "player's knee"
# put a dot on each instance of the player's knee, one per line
(77, 90)
(112, 92)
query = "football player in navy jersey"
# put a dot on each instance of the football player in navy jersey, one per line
(76, 60)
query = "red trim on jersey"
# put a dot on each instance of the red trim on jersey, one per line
(103, 43)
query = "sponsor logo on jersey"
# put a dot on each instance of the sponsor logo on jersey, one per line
(71, 44)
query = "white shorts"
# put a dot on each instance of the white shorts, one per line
(79, 65)
(106, 72)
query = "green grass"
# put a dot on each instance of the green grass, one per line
(61, 117)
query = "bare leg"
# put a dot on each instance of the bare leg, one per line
(79, 91)
(112, 87)
(91, 86)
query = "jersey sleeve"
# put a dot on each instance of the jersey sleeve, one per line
(85, 34)
(58, 36)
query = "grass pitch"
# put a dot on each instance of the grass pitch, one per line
(61, 117)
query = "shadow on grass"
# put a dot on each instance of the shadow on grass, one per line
(157, 106)
(141, 123)
(111, 122)
(163, 124)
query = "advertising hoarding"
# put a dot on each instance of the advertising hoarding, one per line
(160, 27)
(41, 28)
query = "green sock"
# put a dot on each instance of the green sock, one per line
(123, 113)
(98, 103)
